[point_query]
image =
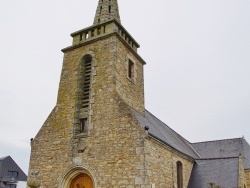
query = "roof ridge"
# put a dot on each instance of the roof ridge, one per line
(240, 138)
(1, 158)
(216, 158)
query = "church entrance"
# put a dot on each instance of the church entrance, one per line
(82, 181)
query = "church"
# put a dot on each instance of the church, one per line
(99, 134)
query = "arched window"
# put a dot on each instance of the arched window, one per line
(83, 99)
(131, 70)
(179, 175)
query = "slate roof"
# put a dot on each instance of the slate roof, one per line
(212, 158)
(2, 185)
(8, 164)
(223, 172)
(1, 162)
(2, 158)
(224, 148)
(165, 134)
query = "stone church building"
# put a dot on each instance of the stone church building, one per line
(99, 134)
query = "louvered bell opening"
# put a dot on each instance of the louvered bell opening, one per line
(86, 85)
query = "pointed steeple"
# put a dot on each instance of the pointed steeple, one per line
(107, 10)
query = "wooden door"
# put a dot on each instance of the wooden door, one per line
(82, 181)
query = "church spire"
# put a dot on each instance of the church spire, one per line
(107, 10)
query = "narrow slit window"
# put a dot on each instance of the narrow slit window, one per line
(100, 10)
(130, 69)
(109, 9)
(179, 175)
(83, 125)
(104, 29)
(98, 30)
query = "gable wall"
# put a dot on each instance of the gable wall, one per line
(111, 150)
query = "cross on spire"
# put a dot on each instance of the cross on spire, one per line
(107, 10)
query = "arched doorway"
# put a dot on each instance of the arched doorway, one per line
(82, 181)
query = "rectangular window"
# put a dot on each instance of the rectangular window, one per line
(11, 185)
(83, 125)
(13, 174)
(86, 35)
(104, 29)
(98, 30)
(131, 69)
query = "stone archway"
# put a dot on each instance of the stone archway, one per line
(82, 181)
(77, 177)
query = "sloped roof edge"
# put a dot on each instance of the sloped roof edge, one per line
(165, 143)
(163, 133)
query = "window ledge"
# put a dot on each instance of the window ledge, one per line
(81, 135)
(131, 80)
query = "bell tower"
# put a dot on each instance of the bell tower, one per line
(91, 134)
(127, 65)
(106, 10)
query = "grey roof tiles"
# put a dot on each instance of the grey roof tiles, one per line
(221, 172)
(225, 148)
(8, 164)
(212, 158)
(164, 133)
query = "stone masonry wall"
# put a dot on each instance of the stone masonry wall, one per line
(161, 165)
(109, 150)
(114, 150)
(51, 148)
(247, 177)
(242, 180)
(131, 90)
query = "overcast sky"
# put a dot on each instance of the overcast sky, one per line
(197, 77)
